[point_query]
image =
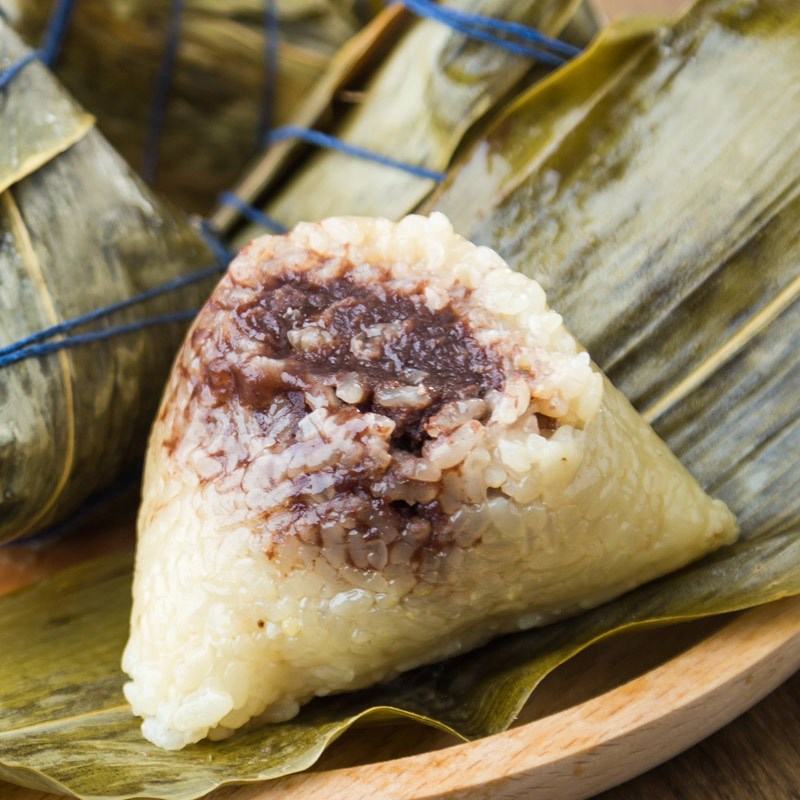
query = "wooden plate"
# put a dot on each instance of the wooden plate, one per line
(612, 713)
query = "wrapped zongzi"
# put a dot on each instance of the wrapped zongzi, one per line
(227, 78)
(78, 231)
(428, 92)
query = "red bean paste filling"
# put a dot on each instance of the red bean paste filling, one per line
(434, 349)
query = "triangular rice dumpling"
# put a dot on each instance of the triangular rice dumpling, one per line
(78, 232)
(233, 65)
(378, 448)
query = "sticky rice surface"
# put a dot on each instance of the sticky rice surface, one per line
(379, 448)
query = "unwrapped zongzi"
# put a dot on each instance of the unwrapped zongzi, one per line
(378, 448)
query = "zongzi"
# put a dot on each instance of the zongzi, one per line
(378, 448)
(429, 93)
(78, 231)
(233, 65)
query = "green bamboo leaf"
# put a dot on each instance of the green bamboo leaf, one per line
(722, 276)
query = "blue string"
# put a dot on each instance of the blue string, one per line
(271, 67)
(163, 83)
(69, 342)
(524, 32)
(251, 213)
(11, 72)
(56, 30)
(332, 143)
(104, 311)
(482, 30)
(51, 41)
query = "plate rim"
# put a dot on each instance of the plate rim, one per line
(592, 746)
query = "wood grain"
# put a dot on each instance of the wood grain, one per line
(758, 756)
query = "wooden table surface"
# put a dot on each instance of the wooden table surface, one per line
(757, 757)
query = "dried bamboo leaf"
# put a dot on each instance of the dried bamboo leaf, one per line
(659, 209)
(77, 233)
(33, 133)
(112, 55)
(419, 115)
(347, 68)
(727, 406)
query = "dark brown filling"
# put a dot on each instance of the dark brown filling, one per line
(388, 340)
(295, 339)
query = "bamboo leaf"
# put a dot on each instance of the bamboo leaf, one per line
(77, 233)
(657, 174)
(664, 225)
(33, 133)
(418, 116)
(696, 313)
(28, 289)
